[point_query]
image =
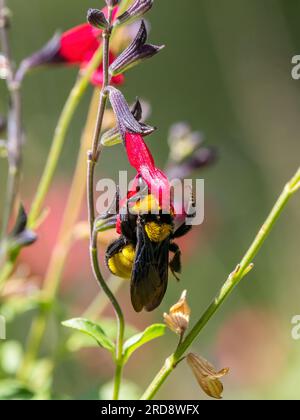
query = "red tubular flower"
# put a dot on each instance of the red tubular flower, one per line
(76, 47)
(141, 159)
(77, 42)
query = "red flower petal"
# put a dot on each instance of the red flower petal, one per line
(81, 40)
(78, 42)
(140, 158)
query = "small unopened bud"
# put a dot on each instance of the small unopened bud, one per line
(207, 376)
(178, 317)
(200, 159)
(20, 236)
(187, 153)
(183, 141)
(138, 9)
(97, 19)
(137, 52)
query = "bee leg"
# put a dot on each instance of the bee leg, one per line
(115, 247)
(175, 263)
(181, 231)
(108, 220)
(112, 251)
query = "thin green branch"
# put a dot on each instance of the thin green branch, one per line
(117, 379)
(233, 280)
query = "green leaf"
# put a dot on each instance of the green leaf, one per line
(78, 341)
(138, 340)
(93, 330)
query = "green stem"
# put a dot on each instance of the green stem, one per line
(233, 280)
(117, 379)
(6, 271)
(118, 311)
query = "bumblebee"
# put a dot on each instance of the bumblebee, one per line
(142, 253)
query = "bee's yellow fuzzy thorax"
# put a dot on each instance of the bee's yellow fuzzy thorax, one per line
(121, 263)
(147, 205)
(156, 232)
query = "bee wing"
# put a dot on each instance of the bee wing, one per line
(161, 254)
(150, 272)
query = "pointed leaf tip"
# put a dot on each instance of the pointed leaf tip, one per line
(138, 340)
(92, 329)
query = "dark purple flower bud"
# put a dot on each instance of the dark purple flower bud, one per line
(21, 222)
(183, 141)
(96, 18)
(187, 153)
(201, 158)
(126, 121)
(137, 52)
(113, 136)
(138, 9)
(48, 54)
(20, 235)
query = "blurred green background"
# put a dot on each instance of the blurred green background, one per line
(227, 71)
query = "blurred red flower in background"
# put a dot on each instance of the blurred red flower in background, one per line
(78, 46)
(75, 47)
